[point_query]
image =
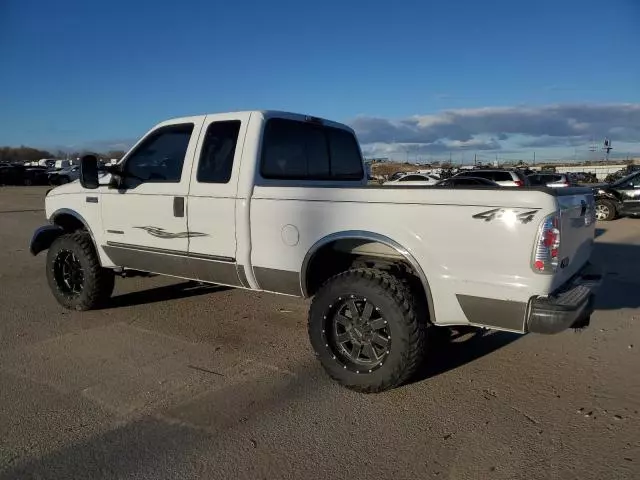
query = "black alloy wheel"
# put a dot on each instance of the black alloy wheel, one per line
(358, 334)
(68, 273)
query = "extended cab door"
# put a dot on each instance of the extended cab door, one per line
(212, 199)
(145, 221)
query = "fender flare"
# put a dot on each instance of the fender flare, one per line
(374, 237)
(45, 237)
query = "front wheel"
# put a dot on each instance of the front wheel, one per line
(366, 329)
(75, 276)
(605, 210)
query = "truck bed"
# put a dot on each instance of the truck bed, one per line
(473, 241)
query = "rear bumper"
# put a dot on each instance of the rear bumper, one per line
(571, 306)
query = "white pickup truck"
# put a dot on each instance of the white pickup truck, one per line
(279, 202)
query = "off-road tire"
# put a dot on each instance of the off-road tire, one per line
(98, 282)
(404, 313)
(611, 207)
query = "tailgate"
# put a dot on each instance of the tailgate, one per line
(577, 231)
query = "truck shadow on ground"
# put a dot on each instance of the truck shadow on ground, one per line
(620, 287)
(163, 293)
(450, 348)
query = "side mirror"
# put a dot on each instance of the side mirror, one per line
(89, 172)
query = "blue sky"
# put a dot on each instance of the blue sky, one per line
(78, 74)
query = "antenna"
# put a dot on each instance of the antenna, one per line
(607, 148)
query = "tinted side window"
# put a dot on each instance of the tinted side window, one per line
(159, 159)
(534, 179)
(294, 150)
(299, 150)
(467, 181)
(501, 177)
(218, 150)
(487, 175)
(346, 161)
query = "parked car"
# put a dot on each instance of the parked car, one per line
(383, 265)
(415, 179)
(10, 175)
(64, 175)
(35, 176)
(19, 174)
(464, 181)
(553, 180)
(503, 177)
(621, 197)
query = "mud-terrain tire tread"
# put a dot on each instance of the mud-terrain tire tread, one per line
(99, 282)
(412, 324)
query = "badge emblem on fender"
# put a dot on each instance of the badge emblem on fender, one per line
(523, 216)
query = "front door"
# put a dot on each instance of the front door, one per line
(145, 222)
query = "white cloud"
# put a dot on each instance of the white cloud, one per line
(495, 128)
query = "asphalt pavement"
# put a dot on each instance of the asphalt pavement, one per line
(174, 380)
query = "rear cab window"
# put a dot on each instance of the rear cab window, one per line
(297, 150)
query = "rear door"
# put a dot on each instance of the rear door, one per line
(213, 197)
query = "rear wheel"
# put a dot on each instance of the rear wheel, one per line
(75, 276)
(365, 327)
(605, 210)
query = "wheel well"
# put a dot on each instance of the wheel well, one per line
(341, 255)
(68, 222)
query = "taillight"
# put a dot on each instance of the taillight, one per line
(519, 183)
(547, 248)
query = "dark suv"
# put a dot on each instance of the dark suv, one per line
(621, 197)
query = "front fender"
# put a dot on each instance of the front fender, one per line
(604, 195)
(43, 237)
